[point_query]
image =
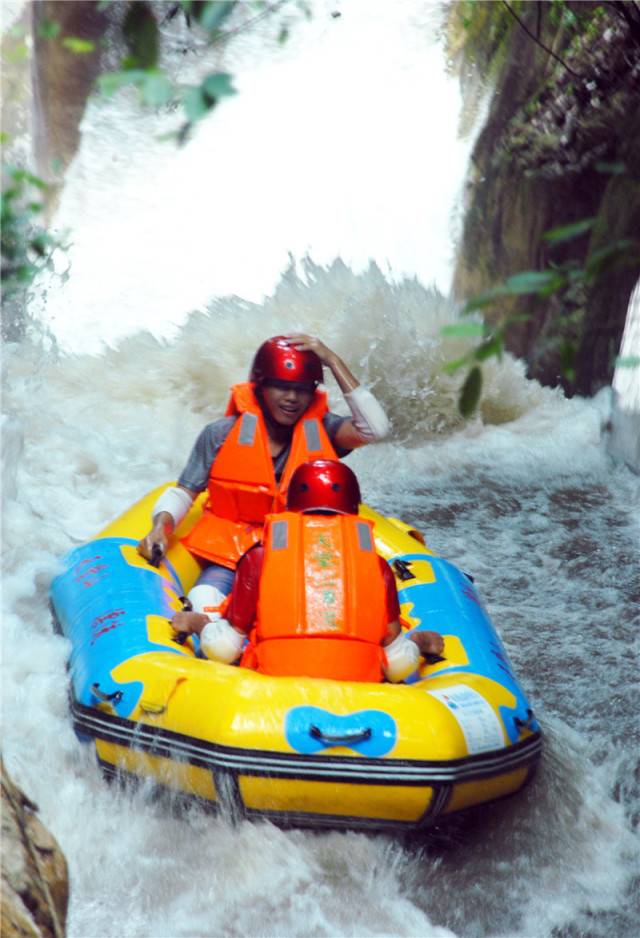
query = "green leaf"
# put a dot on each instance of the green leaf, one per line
(49, 29)
(615, 169)
(39, 245)
(283, 35)
(491, 346)
(470, 392)
(534, 281)
(218, 85)
(456, 364)
(195, 103)
(78, 46)
(483, 299)
(23, 175)
(627, 361)
(567, 359)
(111, 82)
(568, 232)
(212, 15)
(19, 53)
(156, 89)
(623, 252)
(463, 329)
(140, 31)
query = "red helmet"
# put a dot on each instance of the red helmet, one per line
(277, 360)
(324, 485)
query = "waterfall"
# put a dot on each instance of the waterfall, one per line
(624, 439)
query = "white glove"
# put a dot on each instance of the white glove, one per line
(403, 657)
(219, 641)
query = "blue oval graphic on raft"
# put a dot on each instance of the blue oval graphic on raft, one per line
(311, 729)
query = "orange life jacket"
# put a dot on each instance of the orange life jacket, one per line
(242, 483)
(322, 609)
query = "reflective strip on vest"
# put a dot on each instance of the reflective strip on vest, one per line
(364, 536)
(312, 436)
(279, 535)
(248, 428)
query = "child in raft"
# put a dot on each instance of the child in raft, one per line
(344, 623)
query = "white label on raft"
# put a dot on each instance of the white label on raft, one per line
(477, 719)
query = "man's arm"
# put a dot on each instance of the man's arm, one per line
(368, 422)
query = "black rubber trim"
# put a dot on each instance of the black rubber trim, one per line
(169, 744)
(439, 801)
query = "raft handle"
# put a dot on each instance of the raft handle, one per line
(113, 698)
(338, 739)
(156, 555)
(524, 724)
(402, 571)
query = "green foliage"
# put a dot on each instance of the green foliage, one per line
(26, 246)
(141, 35)
(210, 15)
(49, 29)
(470, 392)
(78, 46)
(140, 69)
(477, 35)
(560, 281)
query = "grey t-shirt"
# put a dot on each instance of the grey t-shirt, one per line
(195, 474)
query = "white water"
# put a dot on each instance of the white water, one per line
(523, 497)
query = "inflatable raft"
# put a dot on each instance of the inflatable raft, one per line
(297, 751)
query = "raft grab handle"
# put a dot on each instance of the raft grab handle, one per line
(113, 698)
(525, 724)
(339, 739)
(402, 569)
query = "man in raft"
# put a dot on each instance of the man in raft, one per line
(316, 600)
(274, 422)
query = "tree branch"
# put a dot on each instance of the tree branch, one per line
(538, 42)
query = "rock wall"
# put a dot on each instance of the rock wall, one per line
(35, 885)
(561, 143)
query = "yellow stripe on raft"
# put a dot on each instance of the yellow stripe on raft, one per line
(391, 802)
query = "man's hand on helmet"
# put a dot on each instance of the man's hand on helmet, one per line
(310, 343)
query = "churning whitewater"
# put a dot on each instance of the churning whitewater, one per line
(523, 497)
(125, 363)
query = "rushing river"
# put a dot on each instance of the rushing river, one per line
(523, 497)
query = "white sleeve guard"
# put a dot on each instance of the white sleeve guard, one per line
(206, 598)
(175, 502)
(369, 418)
(403, 657)
(219, 641)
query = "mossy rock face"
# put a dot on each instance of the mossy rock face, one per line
(535, 167)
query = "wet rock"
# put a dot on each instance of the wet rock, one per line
(561, 143)
(35, 885)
